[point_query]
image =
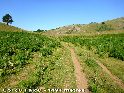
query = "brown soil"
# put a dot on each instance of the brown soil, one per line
(113, 77)
(80, 76)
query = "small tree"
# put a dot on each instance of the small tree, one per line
(103, 22)
(7, 19)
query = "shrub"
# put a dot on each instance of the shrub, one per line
(46, 51)
(104, 27)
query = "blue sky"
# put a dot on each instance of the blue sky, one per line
(49, 14)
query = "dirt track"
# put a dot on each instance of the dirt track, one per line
(113, 77)
(80, 76)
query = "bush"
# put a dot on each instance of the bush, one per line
(91, 63)
(110, 45)
(104, 27)
(16, 48)
(46, 51)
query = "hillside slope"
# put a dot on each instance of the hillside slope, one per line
(4, 27)
(34, 61)
(110, 26)
(102, 60)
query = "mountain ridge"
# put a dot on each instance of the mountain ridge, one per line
(113, 25)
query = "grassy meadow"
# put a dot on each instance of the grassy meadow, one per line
(34, 60)
(107, 49)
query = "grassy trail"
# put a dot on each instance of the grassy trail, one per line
(99, 81)
(62, 76)
(80, 76)
(59, 73)
(113, 77)
(63, 67)
(81, 81)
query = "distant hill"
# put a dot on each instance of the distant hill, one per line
(110, 26)
(4, 27)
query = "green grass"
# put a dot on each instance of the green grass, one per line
(54, 71)
(115, 66)
(31, 61)
(107, 49)
(16, 49)
(62, 71)
(98, 80)
(112, 45)
(93, 28)
(9, 28)
(16, 52)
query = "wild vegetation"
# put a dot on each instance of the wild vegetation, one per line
(107, 49)
(31, 60)
(39, 30)
(111, 45)
(7, 19)
(99, 81)
(17, 48)
(4, 27)
(106, 27)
